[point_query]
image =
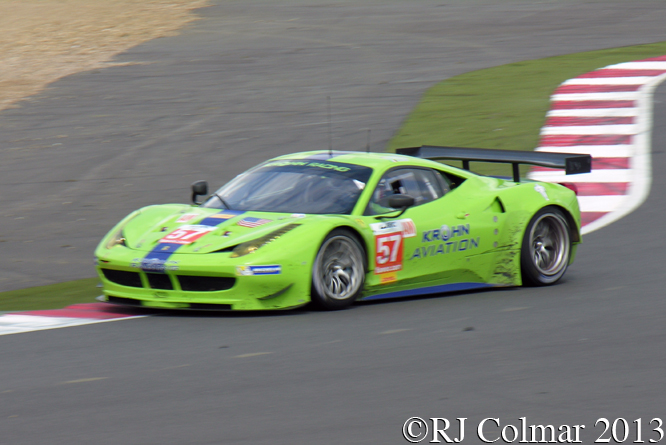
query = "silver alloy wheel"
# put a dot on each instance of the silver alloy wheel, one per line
(338, 268)
(549, 244)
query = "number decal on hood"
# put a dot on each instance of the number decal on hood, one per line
(187, 234)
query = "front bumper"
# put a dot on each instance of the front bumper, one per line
(203, 282)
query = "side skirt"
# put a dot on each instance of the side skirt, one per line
(454, 287)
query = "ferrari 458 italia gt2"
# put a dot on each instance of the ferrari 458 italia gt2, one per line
(335, 227)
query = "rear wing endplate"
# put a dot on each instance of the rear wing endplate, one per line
(572, 163)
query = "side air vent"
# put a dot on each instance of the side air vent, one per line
(498, 206)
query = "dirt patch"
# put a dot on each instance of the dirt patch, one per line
(44, 40)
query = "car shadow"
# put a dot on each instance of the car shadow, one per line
(383, 301)
(302, 310)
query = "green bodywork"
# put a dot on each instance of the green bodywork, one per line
(469, 238)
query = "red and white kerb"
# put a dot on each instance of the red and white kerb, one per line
(606, 113)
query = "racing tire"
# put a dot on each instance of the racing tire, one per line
(338, 272)
(546, 248)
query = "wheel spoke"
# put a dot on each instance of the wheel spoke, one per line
(546, 256)
(343, 276)
(334, 285)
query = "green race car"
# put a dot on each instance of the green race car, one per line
(334, 227)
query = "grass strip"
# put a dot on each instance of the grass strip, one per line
(53, 296)
(502, 107)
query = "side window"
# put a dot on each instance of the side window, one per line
(424, 185)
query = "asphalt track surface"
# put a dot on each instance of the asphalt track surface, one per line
(240, 86)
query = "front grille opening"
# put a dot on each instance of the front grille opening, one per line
(210, 307)
(159, 281)
(124, 278)
(124, 301)
(205, 284)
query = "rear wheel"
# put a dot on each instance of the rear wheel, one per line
(546, 247)
(338, 272)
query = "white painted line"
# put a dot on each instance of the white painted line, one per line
(612, 175)
(91, 379)
(608, 203)
(638, 80)
(594, 112)
(596, 151)
(394, 331)
(589, 130)
(512, 309)
(17, 323)
(656, 65)
(626, 95)
(253, 354)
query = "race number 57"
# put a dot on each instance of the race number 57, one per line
(186, 234)
(389, 252)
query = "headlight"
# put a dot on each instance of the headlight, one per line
(251, 246)
(118, 239)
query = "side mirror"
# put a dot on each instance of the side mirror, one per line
(199, 188)
(400, 201)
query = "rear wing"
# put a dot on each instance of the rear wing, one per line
(573, 164)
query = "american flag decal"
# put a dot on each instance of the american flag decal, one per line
(253, 222)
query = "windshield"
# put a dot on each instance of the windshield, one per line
(294, 186)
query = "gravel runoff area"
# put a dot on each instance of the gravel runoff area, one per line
(44, 40)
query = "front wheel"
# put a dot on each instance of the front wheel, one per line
(338, 272)
(546, 247)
